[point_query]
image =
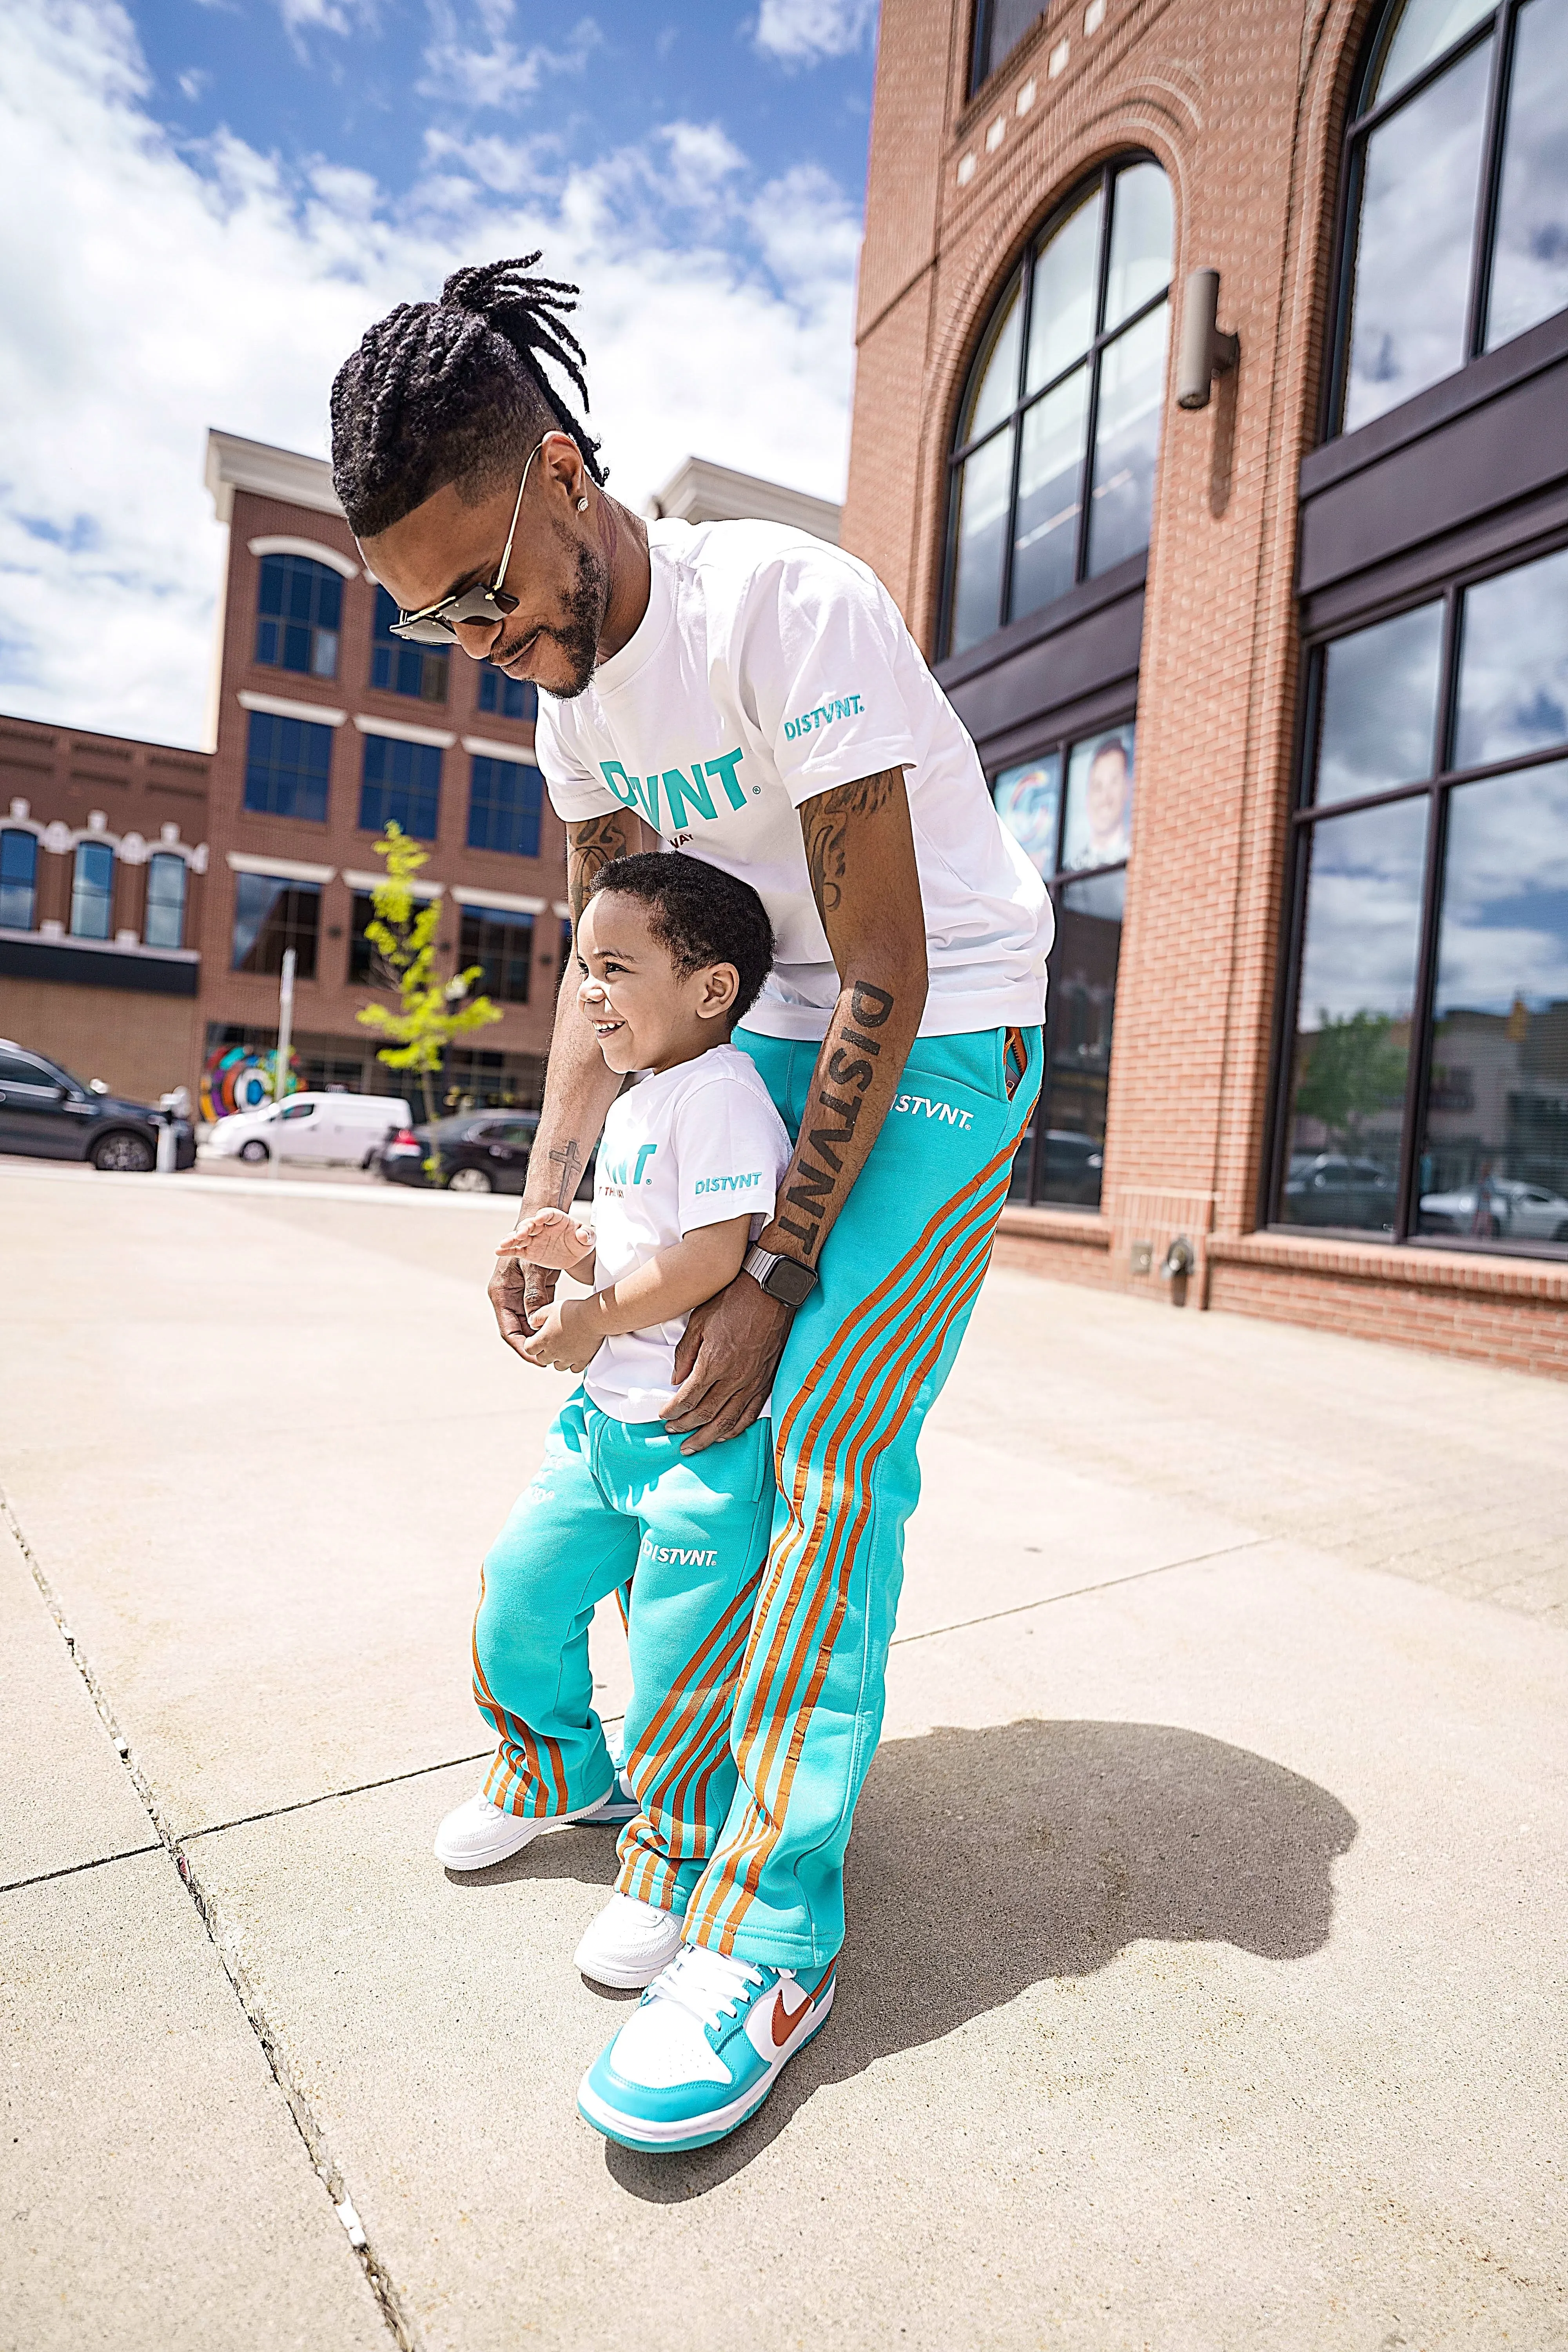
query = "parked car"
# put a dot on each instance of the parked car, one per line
(1326, 1188)
(1511, 1211)
(476, 1151)
(347, 1129)
(48, 1113)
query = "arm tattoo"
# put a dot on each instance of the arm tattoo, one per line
(567, 1167)
(825, 821)
(592, 845)
(848, 1069)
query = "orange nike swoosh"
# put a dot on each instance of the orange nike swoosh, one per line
(784, 2021)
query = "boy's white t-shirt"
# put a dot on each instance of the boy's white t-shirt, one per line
(769, 668)
(684, 1148)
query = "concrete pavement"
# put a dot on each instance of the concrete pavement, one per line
(1205, 1977)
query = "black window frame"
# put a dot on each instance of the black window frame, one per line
(472, 949)
(10, 882)
(1500, 25)
(982, 65)
(486, 810)
(1437, 788)
(495, 691)
(415, 803)
(265, 773)
(1060, 742)
(86, 847)
(295, 898)
(164, 858)
(1021, 276)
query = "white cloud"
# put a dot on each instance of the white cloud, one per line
(153, 298)
(802, 31)
(495, 72)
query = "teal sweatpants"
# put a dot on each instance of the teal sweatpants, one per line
(866, 1359)
(615, 1502)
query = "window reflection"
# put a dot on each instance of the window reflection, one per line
(92, 890)
(163, 920)
(1379, 705)
(1494, 1150)
(1351, 1047)
(1513, 666)
(1029, 801)
(1422, 29)
(1014, 550)
(1529, 270)
(1420, 176)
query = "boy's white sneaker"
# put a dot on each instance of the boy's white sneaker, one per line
(477, 1834)
(628, 1944)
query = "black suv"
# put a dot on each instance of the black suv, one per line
(477, 1152)
(46, 1112)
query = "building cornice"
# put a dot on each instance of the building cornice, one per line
(233, 463)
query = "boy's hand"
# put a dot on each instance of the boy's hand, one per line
(549, 1237)
(564, 1339)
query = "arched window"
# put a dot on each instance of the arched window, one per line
(18, 878)
(1458, 216)
(299, 615)
(164, 924)
(92, 890)
(1053, 466)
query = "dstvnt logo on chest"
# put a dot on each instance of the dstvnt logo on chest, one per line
(612, 1174)
(686, 791)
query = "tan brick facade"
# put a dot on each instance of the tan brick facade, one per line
(1243, 108)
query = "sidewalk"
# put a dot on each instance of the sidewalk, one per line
(1204, 1983)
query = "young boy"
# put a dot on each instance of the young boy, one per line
(671, 952)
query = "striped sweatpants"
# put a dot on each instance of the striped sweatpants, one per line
(614, 1503)
(866, 1359)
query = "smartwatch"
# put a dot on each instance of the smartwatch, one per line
(783, 1278)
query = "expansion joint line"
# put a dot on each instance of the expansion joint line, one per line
(225, 1944)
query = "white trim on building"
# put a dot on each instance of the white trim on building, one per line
(483, 747)
(282, 870)
(401, 732)
(277, 705)
(315, 549)
(505, 902)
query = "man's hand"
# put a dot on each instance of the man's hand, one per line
(517, 1293)
(565, 1340)
(725, 1364)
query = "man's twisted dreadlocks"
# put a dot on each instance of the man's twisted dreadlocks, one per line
(454, 391)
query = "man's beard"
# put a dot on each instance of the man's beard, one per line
(587, 601)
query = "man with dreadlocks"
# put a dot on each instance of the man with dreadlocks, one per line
(753, 696)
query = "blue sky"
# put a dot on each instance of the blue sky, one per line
(238, 187)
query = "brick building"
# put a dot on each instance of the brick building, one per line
(147, 894)
(1273, 685)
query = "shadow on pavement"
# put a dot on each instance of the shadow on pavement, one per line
(984, 1862)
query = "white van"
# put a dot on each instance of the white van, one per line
(345, 1129)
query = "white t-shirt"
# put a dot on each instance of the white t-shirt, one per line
(769, 668)
(682, 1149)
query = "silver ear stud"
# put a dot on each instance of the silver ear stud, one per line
(582, 506)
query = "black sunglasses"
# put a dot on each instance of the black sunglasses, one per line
(437, 624)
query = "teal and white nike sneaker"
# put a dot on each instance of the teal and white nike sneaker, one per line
(702, 2050)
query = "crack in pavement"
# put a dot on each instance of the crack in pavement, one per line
(1109, 1584)
(73, 1869)
(388, 2301)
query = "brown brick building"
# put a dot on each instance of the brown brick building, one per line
(1274, 689)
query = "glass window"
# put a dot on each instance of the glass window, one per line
(509, 697)
(1035, 508)
(1530, 260)
(999, 26)
(1494, 1148)
(1350, 1050)
(299, 615)
(505, 801)
(400, 784)
(1487, 1034)
(163, 922)
(365, 967)
(1513, 663)
(92, 890)
(287, 763)
(1061, 1156)
(501, 943)
(18, 878)
(402, 668)
(1379, 705)
(270, 914)
(1460, 99)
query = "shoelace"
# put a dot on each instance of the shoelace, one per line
(707, 1985)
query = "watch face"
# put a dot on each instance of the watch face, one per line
(791, 1282)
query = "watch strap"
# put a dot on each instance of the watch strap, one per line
(783, 1278)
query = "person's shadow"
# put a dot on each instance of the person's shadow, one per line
(984, 1862)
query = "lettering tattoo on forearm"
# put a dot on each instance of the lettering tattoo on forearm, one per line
(825, 822)
(850, 1067)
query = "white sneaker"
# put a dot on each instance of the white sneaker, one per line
(628, 1943)
(477, 1834)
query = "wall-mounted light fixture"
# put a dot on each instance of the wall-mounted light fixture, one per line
(1205, 352)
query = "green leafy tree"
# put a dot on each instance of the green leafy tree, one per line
(430, 1012)
(1352, 1068)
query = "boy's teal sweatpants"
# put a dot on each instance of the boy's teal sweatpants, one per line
(615, 1502)
(866, 1359)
